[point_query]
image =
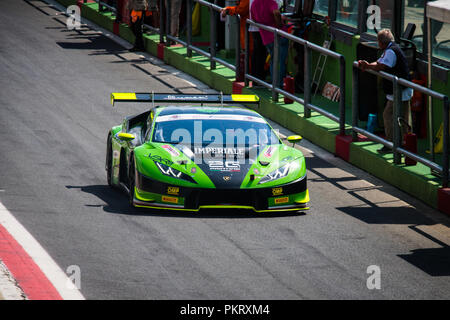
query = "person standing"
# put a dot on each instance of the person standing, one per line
(174, 16)
(257, 60)
(392, 61)
(137, 12)
(241, 8)
(152, 14)
(267, 12)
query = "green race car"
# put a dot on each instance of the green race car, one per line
(195, 157)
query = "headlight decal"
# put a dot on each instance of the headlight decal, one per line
(277, 174)
(168, 171)
(174, 173)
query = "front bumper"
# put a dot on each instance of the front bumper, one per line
(150, 193)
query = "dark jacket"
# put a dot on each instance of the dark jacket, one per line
(401, 69)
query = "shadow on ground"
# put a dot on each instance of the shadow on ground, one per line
(117, 203)
(433, 261)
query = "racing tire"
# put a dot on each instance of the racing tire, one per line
(109, 159)
(131, 179)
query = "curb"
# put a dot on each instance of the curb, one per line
(318, 129)
(25, 272)
(9, 288)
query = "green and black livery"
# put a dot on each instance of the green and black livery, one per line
(196, 157)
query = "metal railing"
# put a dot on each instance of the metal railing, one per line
(212, 54)
(396, 144)
(102, 5)
(308, 48)
(164, 32)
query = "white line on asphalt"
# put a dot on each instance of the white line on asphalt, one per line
(48, 266)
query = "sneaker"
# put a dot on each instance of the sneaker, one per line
(384, 150)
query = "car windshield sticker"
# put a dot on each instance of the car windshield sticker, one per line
(208, 110)
(187, 152)
(171, 150)
(269, 152)
(196, 116)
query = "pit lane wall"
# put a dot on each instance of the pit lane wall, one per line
(415, 180)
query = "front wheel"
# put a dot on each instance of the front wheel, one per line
(131, 179)
(109, 159)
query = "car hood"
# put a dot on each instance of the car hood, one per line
(223, 168)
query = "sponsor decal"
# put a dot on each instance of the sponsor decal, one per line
(226, 178)
(277, 191)
(157, 158)
(269, 152)
(227, 166)
(170, 199)
(281, 200)
(116, 154)
(171, 150)
(186, 97)
(173, 190)
(217, 151)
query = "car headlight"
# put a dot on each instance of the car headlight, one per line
(174, 173)
(277, 174)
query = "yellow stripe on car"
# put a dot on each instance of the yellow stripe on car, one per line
(122, 96)
(245, 98)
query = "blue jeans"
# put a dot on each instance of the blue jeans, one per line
(283, 52)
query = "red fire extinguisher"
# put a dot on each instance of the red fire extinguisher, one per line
(417, 98)
(288, 87)
(410, 145)
(240, 76)
(418, 113)
(409, 142)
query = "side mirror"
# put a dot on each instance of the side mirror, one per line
(125, 136)
(294, 139)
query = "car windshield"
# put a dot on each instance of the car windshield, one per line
(229, 130)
